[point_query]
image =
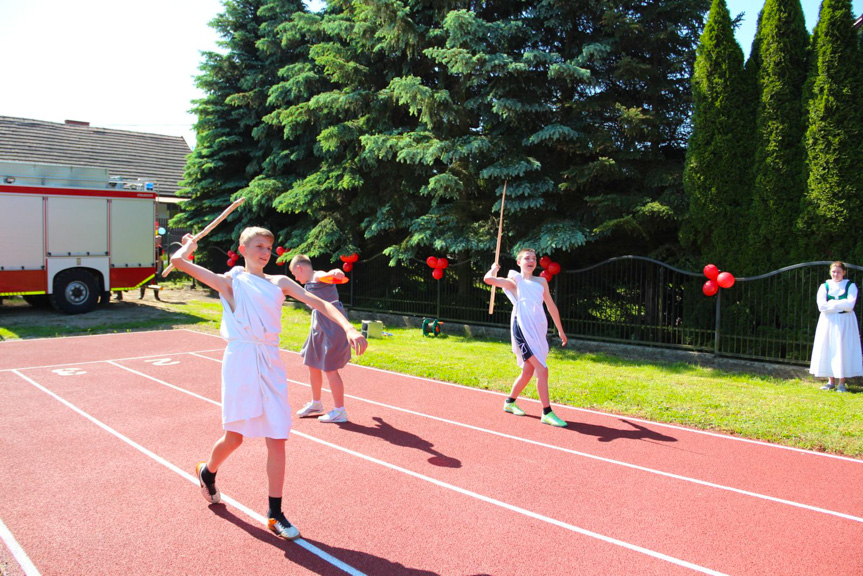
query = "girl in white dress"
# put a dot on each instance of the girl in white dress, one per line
(836, 353)
(254, 382)
(528, 330)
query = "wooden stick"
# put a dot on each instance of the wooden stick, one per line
(497, 250)
(209, 228)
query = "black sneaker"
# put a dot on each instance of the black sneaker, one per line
(282, 528)
(210, 492)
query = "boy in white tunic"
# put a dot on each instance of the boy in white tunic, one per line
(528, 330)
(254, 381)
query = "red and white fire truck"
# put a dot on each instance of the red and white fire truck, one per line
(72, 235)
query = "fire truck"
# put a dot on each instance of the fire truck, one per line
(71, 235)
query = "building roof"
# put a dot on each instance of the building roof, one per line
(154, 157)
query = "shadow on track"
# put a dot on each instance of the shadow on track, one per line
(404, 438)
(296, 554)
(606, 434)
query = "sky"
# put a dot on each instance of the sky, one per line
(131, 65)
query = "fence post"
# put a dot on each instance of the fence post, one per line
(716, 333)
(437, 314)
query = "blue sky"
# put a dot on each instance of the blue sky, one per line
(131, 65)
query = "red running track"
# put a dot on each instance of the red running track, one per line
(99, 436)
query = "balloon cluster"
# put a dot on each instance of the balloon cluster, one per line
(232, 258)
(551, 268)
(349, 261)
(438, 265)
(279, 251)
(716, 280)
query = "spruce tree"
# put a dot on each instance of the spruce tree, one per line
(832, 208)
(718, 162)
(782, 42)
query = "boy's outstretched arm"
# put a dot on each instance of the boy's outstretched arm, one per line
(553, 312)
(217, 282)
(357, 341)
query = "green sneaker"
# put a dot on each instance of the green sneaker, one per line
(512, 408)
(551, 418)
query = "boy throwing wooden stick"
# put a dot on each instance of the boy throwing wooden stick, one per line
(326, 350)
(254, 380)
(529, 326)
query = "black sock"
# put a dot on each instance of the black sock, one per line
(275, 510)
(510, 400)
(207, 476)
(546, 410)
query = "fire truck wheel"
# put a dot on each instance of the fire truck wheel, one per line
(75, 291)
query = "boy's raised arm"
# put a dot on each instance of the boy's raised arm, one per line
(179, 259)
(492, 279)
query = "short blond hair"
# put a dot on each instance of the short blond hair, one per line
(253, 231)
(300, 259)
(524, 251)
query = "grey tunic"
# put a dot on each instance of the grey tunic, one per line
(327, 347)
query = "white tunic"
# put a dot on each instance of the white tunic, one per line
(528, 312)
(836, 352)
(254, 380)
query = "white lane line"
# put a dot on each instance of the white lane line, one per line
(565, 450)
(517, 509)
(17, 551)
(461, 386)
(487, 499)
(227, 499)
(164, 355)
(610, 460)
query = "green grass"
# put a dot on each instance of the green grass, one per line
(787, 411)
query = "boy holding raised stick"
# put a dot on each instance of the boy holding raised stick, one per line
(254, 380)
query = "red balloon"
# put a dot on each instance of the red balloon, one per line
(343, 257)
(431, 261)
(442, 263)
(280, 250)
(544, 261)
(553, 267)
(353, 257)
(348, 266)
(710, 288)
(547, 275)
(231, 254)
(437, 273)
(231, 262)
(191, 257)
(725, 279)
(711, 272)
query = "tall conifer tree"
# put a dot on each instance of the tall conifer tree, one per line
(780, 182)
(718, 161)
(833, 207)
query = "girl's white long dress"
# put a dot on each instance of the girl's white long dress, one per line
(837, 352)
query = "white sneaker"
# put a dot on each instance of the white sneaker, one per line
(335, 415)
(313, 407)
(841, 388)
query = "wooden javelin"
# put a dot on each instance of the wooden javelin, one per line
(497, 250)
(209, 228)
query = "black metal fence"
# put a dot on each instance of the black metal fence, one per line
(630, 299)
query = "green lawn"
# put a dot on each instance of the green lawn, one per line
(787, 411)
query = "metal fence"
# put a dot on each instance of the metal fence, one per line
(629, 299)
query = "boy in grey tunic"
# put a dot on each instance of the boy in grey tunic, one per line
(326, 349)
